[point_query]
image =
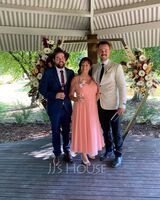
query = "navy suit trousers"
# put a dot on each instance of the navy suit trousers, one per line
(112, 131)
(60, 124)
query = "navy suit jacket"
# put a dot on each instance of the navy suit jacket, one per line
(50, 85)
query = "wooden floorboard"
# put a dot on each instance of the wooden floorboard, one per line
(26, 173)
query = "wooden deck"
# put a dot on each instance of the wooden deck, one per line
(25, 173)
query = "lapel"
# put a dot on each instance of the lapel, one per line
(95, 72)
(67, 74)
(56, 76)
(107, 67)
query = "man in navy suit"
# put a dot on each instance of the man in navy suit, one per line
(54, 86)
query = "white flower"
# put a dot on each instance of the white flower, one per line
(145, 66)
(47, 50)
(148, 77)
(51, 42)
(141, 73)
(129, 64)
(149, 83)
(137, 89)
(139, 50)
(140, 83)
(152, 74)
(142, 58)
(130, 74)
(35, 83)
(44, 57)
(32, 78)
(39, 76)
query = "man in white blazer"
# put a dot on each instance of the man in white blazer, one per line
(112, 101)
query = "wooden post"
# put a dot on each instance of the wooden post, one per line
(132, 122)
(92, 47)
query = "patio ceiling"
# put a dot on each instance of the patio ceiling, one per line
(23, 23)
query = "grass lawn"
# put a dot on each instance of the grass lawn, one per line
(15, 96)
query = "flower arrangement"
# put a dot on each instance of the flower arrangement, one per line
(44, 61)
(140, 71)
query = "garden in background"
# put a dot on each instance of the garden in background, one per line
(20, 120)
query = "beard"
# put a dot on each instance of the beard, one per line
(60, 65)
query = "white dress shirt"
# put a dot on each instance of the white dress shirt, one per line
(59, 74)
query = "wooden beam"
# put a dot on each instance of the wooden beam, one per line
(41, 10)
(93, 41)
(92, 47)
(127, 29)
(92, 16)
(129, 7)
(42, 31)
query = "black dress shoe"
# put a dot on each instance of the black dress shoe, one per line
(106, 155)
(68, 157)
(56, 160)
(117, 162)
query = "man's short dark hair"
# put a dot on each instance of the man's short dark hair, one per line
(104, 42)
(59, 50)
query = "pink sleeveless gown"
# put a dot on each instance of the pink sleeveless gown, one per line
(86, 130)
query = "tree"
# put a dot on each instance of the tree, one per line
(118, 56)
(17, 63)
(154, 54)
(74, 59)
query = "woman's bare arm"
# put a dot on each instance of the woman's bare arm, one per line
(72, 90)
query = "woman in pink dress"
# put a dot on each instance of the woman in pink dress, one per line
(86, 130)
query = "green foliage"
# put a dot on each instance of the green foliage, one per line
(146, 114)
(45, 116)
(154, 54)
(14, 63)
(11, 66)
(4, 107)
(8, 65)
(22, 116)
(74, 59)
(118, 56)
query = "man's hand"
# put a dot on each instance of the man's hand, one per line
(120, 111)
(60, 95)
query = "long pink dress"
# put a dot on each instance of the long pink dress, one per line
(86, 130)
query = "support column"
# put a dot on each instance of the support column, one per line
(92, 47)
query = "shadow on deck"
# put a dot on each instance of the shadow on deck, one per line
(26, 173)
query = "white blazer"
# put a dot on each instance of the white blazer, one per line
(112, 87)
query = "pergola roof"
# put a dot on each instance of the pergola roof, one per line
(23, 23)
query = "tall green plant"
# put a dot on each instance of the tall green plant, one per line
(146, 113)
(22, 116)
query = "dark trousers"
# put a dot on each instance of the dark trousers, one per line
(112, 131)
(60, 124)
